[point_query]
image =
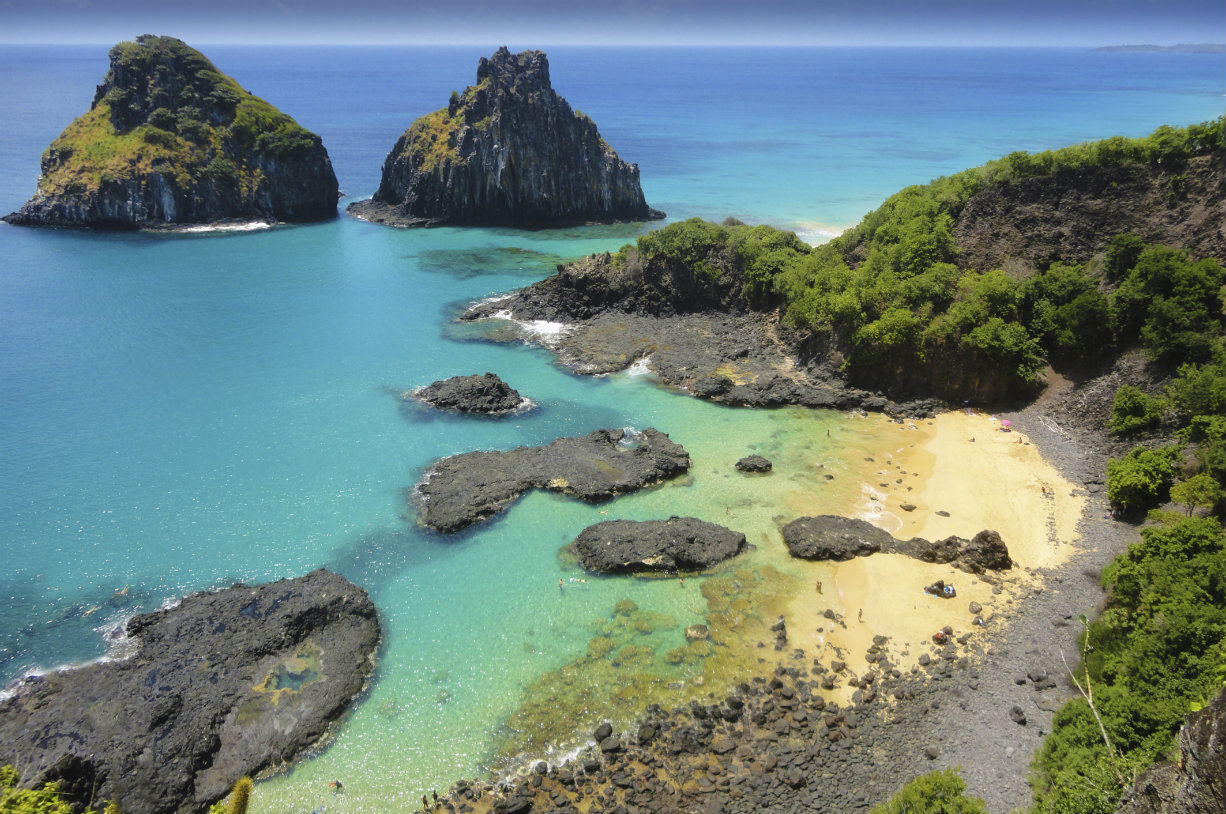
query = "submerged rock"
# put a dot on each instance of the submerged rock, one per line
(828, 537)
(508, 151)
(171, 140)
(487, 394)
(675, 544)
(460, 490)
(220, 686)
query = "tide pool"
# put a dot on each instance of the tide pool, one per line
(181, 412)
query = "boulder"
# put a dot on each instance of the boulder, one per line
(222, 685)
(753, 463)
(675, 544)
(463, 489)
(508, 151)
(828, 537)
(840, 538)
(487, 394)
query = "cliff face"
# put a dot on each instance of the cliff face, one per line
(1197, 783)
(171, 140)
(508, 151)
(1072, 214)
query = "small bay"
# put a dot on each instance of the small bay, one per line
(184, 411)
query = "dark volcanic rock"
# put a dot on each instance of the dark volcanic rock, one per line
(460, 490)
(1197, 783)
(753, 463)
(171, 140)
(220, 686)
(834, 538)
(828, 537)
(471, 394)
(675, 544)
(508, 151)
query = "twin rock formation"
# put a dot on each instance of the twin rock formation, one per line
(170, 140)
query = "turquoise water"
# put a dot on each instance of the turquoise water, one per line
(179, 412)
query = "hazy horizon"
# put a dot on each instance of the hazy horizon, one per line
(1069, 23)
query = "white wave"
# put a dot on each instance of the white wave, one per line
(641, 367)
(208, 228)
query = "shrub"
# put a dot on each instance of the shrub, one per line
(1140, 480)
(941, 792)
(1133, 411)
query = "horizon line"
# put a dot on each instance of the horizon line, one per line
(1217, 47)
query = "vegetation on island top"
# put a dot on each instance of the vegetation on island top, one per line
(47, 799)
(165, 107)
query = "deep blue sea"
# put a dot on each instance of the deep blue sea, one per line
(181, 412)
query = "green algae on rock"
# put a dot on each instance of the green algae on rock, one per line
(508, 151)
(170, 140)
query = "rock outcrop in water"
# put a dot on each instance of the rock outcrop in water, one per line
(463, 489)
(675, 544)
(171, 140)
(509, 151)
(220, 686)
(487, 394)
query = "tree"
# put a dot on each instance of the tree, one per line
(1198, 491)
(940, 792)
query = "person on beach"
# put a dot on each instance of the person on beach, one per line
(860, 616)
(819, 586)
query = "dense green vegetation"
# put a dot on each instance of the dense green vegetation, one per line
(941, 792)
(43, 800)
(907, 318)
(1158, 650)
(165, 105)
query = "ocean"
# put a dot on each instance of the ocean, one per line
(181, 412)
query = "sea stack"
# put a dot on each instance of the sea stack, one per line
(170, 140)
(508, 151)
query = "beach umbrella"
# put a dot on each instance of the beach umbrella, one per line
(1006, 424)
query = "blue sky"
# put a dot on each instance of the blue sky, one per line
(608, 22)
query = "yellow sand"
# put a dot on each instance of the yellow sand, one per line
(991, 482)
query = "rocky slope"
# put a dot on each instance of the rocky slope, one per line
(171, 140)
(1070, 215)
(219, 686)
(508, 151)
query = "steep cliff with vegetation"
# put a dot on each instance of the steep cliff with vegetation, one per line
(170, 140)
(967, 287)
(507, 151)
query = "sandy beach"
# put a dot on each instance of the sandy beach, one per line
(968, 473)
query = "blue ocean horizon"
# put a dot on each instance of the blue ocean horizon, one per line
(180, 412)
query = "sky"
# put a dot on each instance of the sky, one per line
(621, 22)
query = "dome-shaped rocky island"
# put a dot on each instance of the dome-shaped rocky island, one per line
(508, 151)
(170, 140)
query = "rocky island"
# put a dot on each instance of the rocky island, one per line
(464, 489)
(219, 686)
(645, 546)
(508, 151)
(170, 140)
(486, 394)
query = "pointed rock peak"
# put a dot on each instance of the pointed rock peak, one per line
(505, 68)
